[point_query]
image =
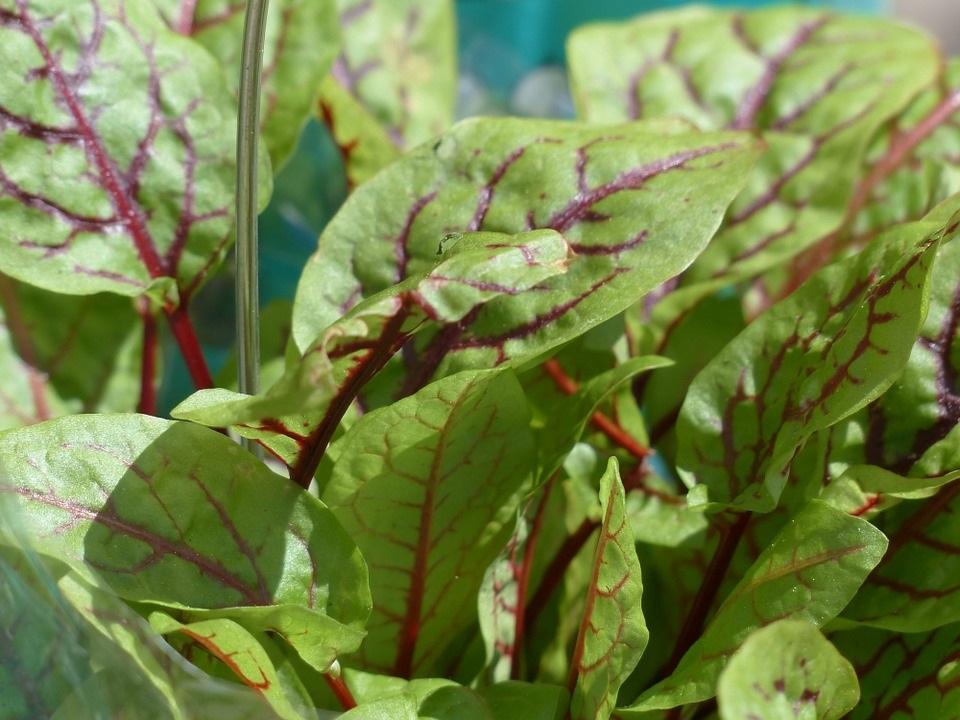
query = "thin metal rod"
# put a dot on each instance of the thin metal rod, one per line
(248, 141)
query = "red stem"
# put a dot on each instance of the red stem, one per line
(707, 594)
(901, 148)
(373, 362)
(186, 336)
(340, 689)
(148, 365)
(188, 10)
(523, 581)
(619, 436)
(558, 568)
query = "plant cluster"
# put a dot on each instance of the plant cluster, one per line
(651, 414)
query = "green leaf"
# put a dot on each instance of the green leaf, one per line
(817, 86)
(809, 572)
(439, 699)
(61, 355)
(498, 603)
(399, 64)
(829, 349)
(174, 514)
(365, 145)
(613, 633)
(915, 588)
(911, 430)
(117, 147)
(635, 205)
(296, 417)
(299, 48)
(904, 676)
(398, 707)
(784, 671)
(242, 654)
(428, 488)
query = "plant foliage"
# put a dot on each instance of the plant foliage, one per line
(654, 413)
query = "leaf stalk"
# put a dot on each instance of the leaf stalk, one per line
(248, 151)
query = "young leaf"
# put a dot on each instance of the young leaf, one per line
(173, 514)
(301, 42)
(904, 676)
(785, 671)
(817, 86)
(118, 145)
(810, 361)
(296, 418)
(620, 197)
(613, 633)
(428, 488)
(61, 355)
(809, 572)
(239, 651)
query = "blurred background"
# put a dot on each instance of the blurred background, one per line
(511, 57)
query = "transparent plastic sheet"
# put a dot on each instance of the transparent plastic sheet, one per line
(70, 649)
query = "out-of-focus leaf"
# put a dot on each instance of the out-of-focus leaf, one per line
(613, 633)
(809, 572)
(428, 488)
(296, 417)
(817, 86)
(785, 671)
(398, 64)
(117, 146)
(61, 355)
(810, 361)
(299, 47)
(174, 514)
(635, 205)
(904, 676)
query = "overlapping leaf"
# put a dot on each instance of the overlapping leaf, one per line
(635, 205)
(299, 47)
(297, 416)
(905, 676)
(394, 82)
(240, 652)
(810, 361)
(915, 587)
(911, 429)
(785, 671)
(117, 141)
(613, 633)
(173, 514)
(429, 487)
(61, 355)
(809, 572)
(818, 86)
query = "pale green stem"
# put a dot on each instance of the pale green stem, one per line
(248, 141)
